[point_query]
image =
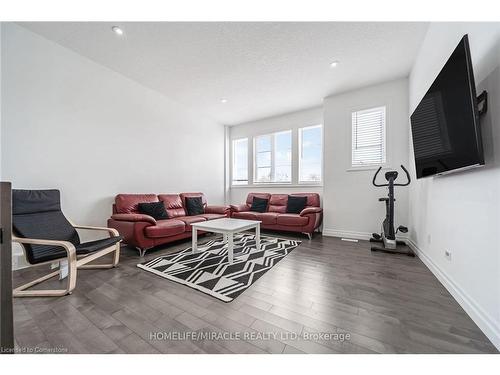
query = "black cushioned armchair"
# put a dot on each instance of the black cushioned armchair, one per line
(47, 236)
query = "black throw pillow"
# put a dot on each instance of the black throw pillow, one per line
(154, 209)
(295, 204)
(194, 206)
(259, 204)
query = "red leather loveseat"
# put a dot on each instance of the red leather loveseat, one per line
(144, 232)
(276, 217)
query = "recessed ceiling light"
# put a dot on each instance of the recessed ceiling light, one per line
(333, 64)
(117, 30)
(223, 100)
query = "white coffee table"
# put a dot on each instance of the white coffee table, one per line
(227, 227)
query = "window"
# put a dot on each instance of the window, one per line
(310, 153)
(368, 137)
(273, 158)
(240, 162)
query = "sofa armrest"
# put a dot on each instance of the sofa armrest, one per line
(311, 210)
(222, 210)
(239, 207)
(134, 217)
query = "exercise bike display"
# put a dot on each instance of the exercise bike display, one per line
(388, 235)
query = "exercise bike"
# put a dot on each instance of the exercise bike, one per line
(388, 235)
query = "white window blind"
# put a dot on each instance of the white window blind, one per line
(368, 137)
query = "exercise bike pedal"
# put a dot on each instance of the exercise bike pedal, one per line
(376, 237)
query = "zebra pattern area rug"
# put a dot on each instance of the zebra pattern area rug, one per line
(209, 270)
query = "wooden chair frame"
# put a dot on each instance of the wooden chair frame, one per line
(74, 263)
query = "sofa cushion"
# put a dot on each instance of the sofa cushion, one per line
(221, 210)
(247, 215)
(173, 204)
(186, 195)
(277, 203)
(292, 219)
(259, 204)
(213, 216)
(267, 218)
(258, 195)
(240, 207)
(194, 206)
(312, 198)
(295, 204)
(128, 203)
(188, 220)
(165, 228)
(153, 209)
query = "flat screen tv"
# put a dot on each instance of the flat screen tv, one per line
(445, 125)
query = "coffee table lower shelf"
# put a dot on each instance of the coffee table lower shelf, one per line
(228, 228)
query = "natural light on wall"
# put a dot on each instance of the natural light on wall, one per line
(240, 161)
(368, 137)
(310, 154)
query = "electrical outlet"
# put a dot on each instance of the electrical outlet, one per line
(447, 254)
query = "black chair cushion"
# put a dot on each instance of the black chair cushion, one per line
(35, 201)
(51, 225)
(93, 246)
(37, 214)
(52, 253)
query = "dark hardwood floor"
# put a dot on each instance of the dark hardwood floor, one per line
(386, 303)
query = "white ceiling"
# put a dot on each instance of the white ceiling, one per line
(263, 69)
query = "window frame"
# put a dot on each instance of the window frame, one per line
(273, 161)
(299, 159)
(233, 160)
(369, 166)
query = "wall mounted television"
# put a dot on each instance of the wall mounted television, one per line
(445, 125)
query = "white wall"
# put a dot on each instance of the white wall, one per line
(71, 124)
(350, 200)
(294, 121)
(460, 212)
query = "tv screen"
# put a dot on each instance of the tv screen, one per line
(445, 125)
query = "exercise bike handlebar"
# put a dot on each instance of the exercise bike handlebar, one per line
(375, 177)
(382, 185)
(407, 177)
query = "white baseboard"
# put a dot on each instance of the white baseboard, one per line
(484, 321)
(352, 234)
(346, 234)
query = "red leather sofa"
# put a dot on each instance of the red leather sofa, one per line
(144, 232)
(276, 217)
